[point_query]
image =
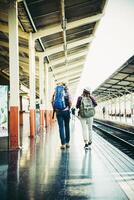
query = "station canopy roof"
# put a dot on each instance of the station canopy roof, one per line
(121, 82)
(63, 31)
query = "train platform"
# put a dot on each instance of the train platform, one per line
(41, 170)
(44, 43)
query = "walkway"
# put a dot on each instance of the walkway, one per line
(42, 171)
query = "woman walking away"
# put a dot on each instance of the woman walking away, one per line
(85, 104)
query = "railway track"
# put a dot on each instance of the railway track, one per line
(122, 139)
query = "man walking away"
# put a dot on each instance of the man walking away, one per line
(61, 104)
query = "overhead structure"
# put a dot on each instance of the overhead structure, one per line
(62, 30)
(120, 83)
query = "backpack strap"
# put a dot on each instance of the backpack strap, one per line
(93, 101)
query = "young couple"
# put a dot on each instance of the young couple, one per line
(63, 118)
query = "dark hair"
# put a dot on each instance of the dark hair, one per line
(86, 93)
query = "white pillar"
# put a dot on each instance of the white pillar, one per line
(132, 103)
(106, 109)
(111, 109)
(41, 89)
(132, 107)
(46, 86)
(51, 86)
(47, 113)
(115, 110)
(41, 79)
(125, 110)
(13, 56)
(119, 108)
(32, 84)
(14, 75)
(32, 71)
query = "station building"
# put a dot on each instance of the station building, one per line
(43, 43)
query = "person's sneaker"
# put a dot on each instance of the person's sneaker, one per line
(86, 147)
(89, 143)
(62, 147)
(67, 145)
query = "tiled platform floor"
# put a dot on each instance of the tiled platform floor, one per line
(42, 171)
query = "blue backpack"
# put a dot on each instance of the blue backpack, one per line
(59, 100)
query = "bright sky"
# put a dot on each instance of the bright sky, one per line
(113, 43)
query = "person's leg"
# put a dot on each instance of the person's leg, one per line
(60, 120)
(84, 130)
(90, 127)
(67, 127)
(72, 116)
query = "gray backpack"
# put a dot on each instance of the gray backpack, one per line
(86, 108)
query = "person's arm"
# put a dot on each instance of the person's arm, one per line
(70, 101)
(78, 102)
(53, 98)
(94, 101)
(52, 101)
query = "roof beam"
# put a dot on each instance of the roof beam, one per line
(70, 57)
(119, 80)
(21, 58)
(53, 62)
(4, 29)
(3, 15)
(74, 78)
(69, 76)
(63, 25)
(54, 49)
(69, 73)
(49, 30)
(80, 42)
(22, 49)
(62, 69)
(75, 81)
(58, 48)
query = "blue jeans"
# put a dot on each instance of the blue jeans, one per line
(63, 118)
